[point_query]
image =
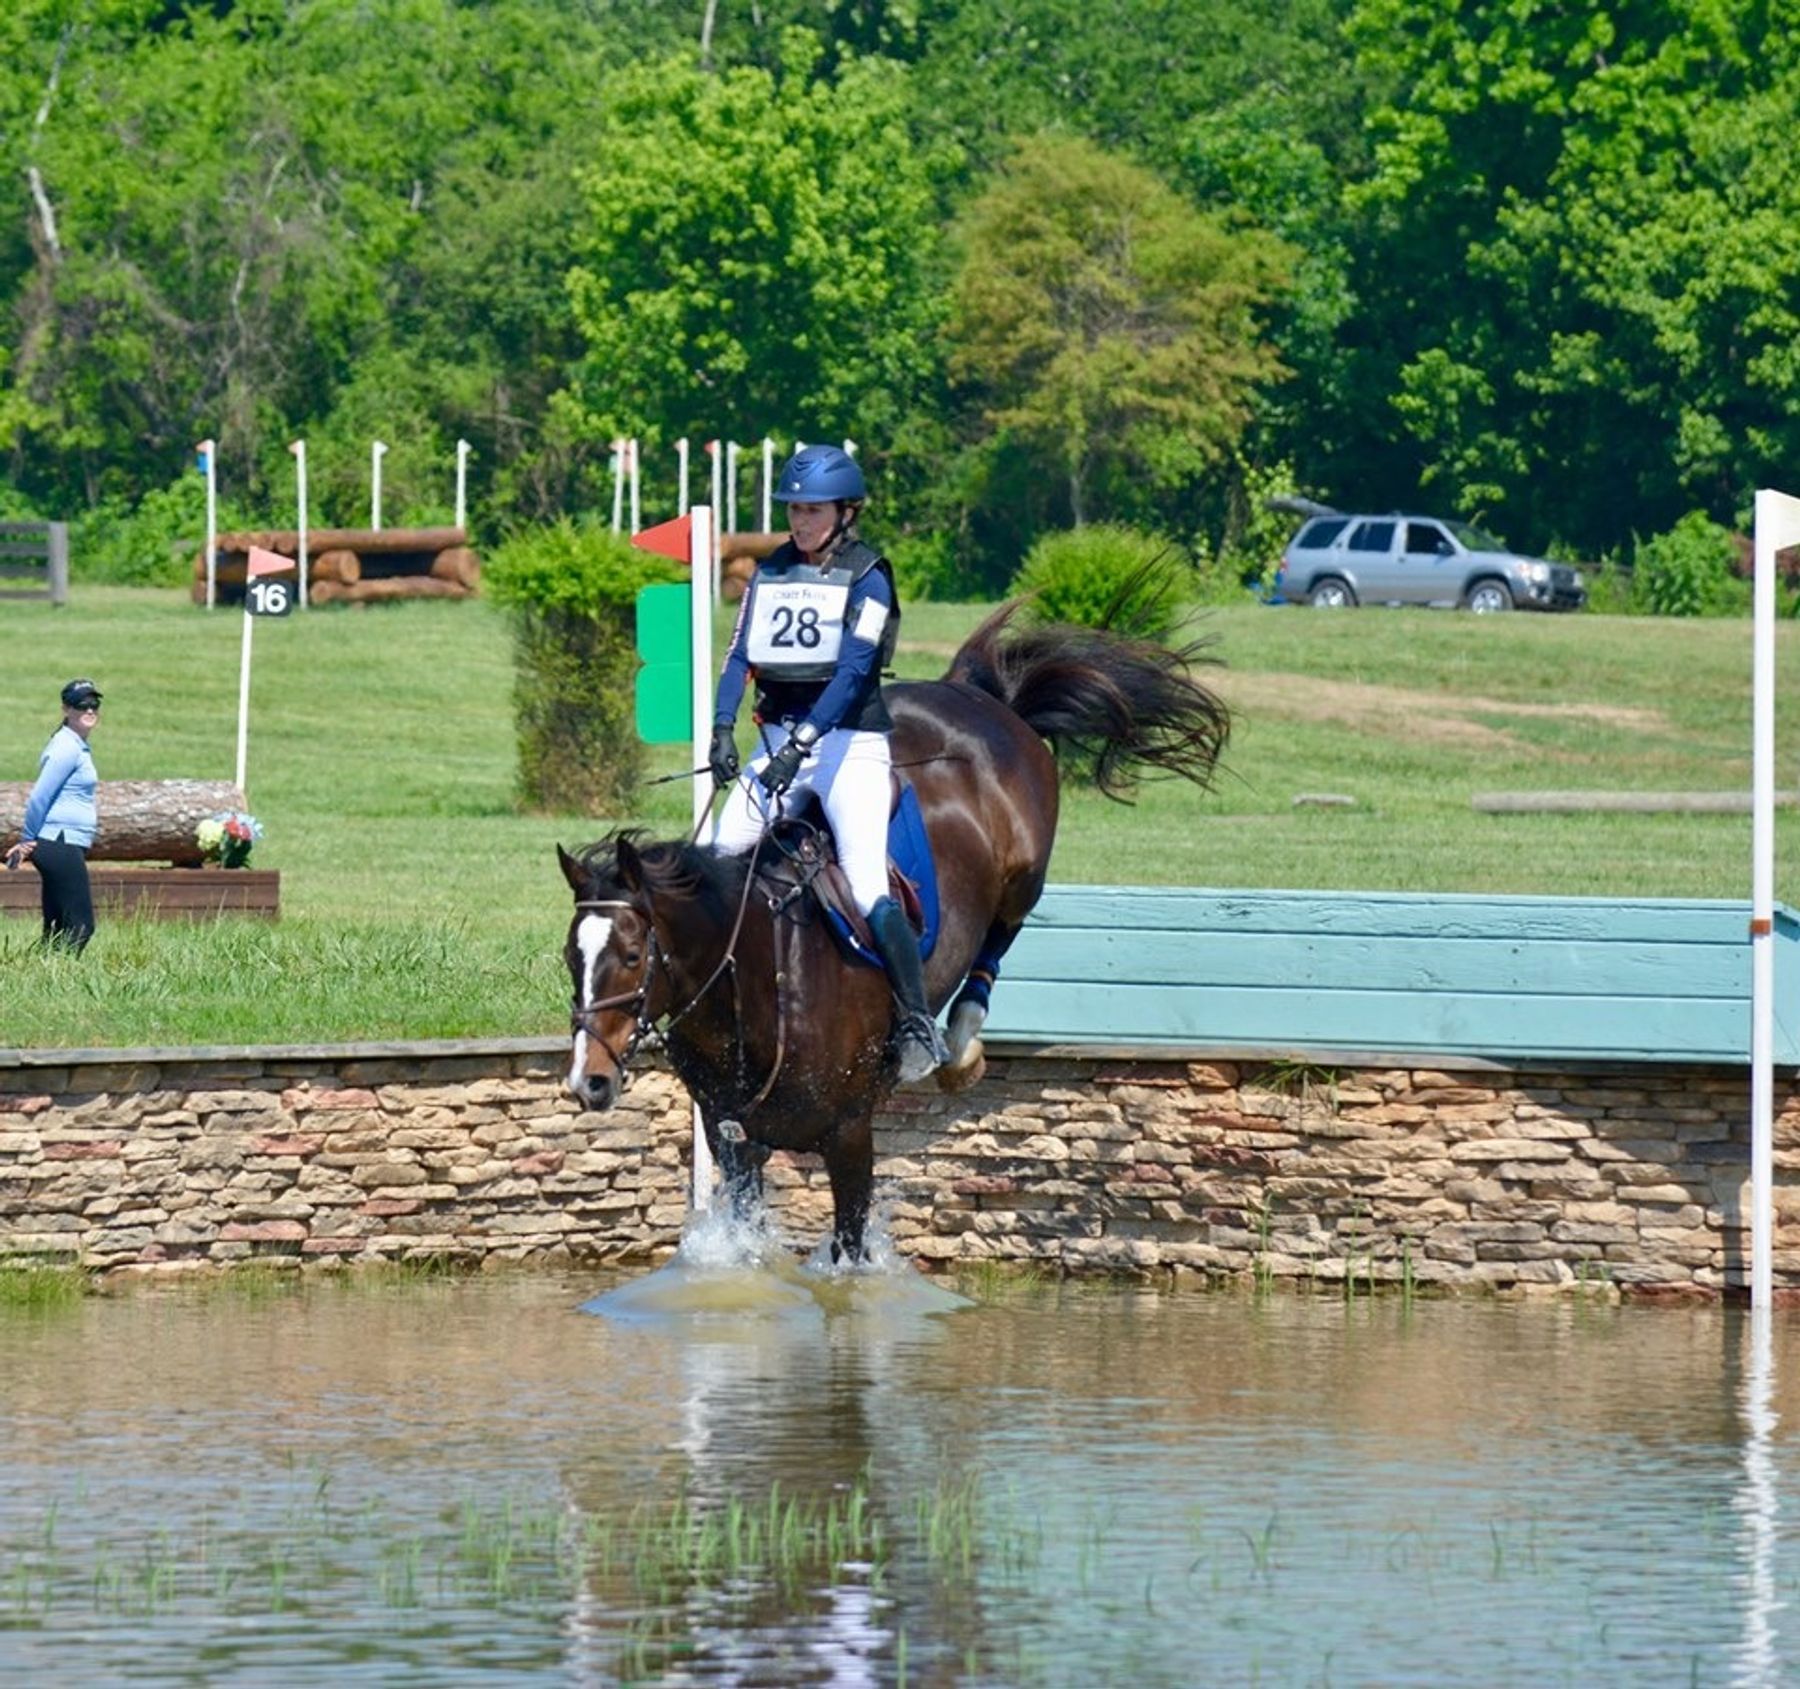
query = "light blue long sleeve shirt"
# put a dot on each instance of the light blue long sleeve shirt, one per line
(62, 801)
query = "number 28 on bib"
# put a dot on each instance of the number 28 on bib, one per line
(796, 624)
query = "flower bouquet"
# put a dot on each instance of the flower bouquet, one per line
(226, 838)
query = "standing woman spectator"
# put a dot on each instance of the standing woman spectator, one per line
(61, 820)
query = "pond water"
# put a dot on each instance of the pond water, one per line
(776, 1480)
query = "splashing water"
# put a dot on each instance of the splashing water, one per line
(728, 1268)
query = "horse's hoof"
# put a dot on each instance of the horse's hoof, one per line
(968, 1068)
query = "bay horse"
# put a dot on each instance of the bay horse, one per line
(781, 1040)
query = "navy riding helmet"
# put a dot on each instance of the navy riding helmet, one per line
(821, 475)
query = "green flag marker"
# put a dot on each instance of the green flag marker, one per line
(665, 684)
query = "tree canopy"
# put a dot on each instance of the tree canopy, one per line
(1512, 260)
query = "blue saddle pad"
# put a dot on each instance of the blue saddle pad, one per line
(909, 850)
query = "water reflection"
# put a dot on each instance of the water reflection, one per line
(1757, 1662)
(1071, 1484)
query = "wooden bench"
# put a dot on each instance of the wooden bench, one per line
(36, 552)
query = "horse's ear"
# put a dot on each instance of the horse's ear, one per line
(573, 872)
(630, 866)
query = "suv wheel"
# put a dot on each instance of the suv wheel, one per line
(1486, 598)
(1332, 593)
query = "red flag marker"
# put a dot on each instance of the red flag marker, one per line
(668, 539)
(268, 562)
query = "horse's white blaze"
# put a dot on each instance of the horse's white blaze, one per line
(591, 938)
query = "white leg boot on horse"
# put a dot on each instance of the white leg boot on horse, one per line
(922, 1047)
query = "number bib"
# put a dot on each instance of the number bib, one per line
(796, 627)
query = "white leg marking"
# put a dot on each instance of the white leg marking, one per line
(966, 1022)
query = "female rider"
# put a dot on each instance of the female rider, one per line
(816, 627)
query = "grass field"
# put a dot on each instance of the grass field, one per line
(418, 902)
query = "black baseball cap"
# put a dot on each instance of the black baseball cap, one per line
(79, 694)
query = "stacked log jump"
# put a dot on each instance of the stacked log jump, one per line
(738, 556)
(150, 822)
(352, 565)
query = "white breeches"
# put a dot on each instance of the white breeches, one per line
(850, 774)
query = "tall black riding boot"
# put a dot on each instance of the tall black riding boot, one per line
(922, 1046)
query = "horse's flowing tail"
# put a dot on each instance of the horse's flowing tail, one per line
(1113, 705)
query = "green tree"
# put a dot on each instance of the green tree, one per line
(1579, 292)
(1103, 322)
(756, 256)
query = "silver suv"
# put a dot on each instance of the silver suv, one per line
(1338, 561)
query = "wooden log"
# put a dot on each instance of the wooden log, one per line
(337, 564)
(457, 563)
(392, 587)
(753, 546)
(362, 540)
(1639, 803)
(140, 820)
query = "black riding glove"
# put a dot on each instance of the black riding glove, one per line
(779, 771)
(723, 757)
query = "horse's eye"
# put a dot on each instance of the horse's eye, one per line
(633, 957)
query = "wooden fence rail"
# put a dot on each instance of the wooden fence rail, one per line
(37, 553)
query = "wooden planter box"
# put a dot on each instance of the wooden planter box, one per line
(162, 894)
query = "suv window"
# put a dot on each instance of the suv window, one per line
(1427, 539)
(1373, 536)
(1320, 532)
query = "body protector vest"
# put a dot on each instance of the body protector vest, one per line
(795, 631)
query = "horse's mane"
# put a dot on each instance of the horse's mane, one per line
(668, 867)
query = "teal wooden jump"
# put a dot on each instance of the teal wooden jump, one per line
(1302, 972)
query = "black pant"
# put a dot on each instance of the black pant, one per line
(68, 899)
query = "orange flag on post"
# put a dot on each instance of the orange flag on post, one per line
(668, 539)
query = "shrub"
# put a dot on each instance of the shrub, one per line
(1687, 571)
(1137, 581)
(151, 543)
(571, 590)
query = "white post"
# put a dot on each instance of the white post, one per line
(731, 480)
(637, 509)
(701, 560)
(462, 486)
(377, 451)
(1777, 527)
(208, 450)
(618, 469)
(715, 449)
(768, 484)
(298, 448)
(681, 457)
(244, 693)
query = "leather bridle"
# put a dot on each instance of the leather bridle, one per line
(638, 1001)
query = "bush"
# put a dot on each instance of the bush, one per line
(1106, 573)
(572, 591)
(1687, 571)
(151, 543)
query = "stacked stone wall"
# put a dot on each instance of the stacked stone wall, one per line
(1635, 1178)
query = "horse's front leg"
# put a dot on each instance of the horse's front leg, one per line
(741, 1167)
(850, 1164)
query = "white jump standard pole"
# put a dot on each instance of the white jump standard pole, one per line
(377, 451)
(700, 573)
(298, 448)
(208, 452)
(1777, 528)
